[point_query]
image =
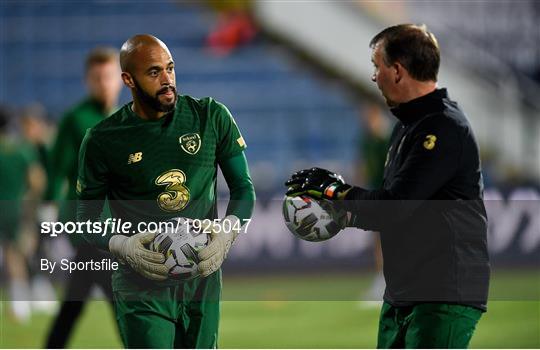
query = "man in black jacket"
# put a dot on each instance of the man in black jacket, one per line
(429, 210)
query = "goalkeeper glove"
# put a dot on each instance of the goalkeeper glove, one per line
(144, 261)
(317, 183)
(221, 239)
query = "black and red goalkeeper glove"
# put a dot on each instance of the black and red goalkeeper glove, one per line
(317, 183)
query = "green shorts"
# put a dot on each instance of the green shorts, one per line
(185, 315)
(427, 326)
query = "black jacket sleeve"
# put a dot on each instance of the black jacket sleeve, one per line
(429, 157)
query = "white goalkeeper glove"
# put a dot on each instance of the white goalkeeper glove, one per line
(144, 261)
(221, 238)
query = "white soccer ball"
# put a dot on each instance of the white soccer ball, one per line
(310, 219)
(180, 245)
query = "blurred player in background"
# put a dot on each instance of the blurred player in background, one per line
(35, 134)
(102, 75)
(154, 159)
(36, 131)
(373, 147)
(430, 210)
(20, 174)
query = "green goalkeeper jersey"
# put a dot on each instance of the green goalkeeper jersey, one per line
(152, 170)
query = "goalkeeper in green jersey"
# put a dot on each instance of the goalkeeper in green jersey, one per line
(154, 159)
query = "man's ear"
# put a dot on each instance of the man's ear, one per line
(399, 72)
(128, 80)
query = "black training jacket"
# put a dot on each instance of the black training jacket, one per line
(430, 211)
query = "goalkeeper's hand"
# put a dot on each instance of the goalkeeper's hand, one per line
(131, 250)
(317, 183)
(221, 238)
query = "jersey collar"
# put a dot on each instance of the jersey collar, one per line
(410, 111)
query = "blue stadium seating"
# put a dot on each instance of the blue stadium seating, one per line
(284, 112)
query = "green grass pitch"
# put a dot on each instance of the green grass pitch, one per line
(257, 314)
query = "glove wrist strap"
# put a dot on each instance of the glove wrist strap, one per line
(336, 190)
(235, 222)
(331, 190)
(116, 244)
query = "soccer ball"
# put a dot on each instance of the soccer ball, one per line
(312, 220)
(180, 244)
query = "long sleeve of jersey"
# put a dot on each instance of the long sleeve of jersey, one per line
(242, 194)
(420, 163)
(232, 161)
(91, 187)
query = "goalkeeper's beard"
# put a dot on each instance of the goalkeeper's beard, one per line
(153, 101)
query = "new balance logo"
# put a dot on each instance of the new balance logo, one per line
(135, 157)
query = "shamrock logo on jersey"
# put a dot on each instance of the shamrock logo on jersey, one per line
(190, 143)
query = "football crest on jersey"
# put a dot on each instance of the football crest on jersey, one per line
(190, 143)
